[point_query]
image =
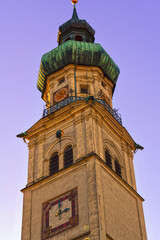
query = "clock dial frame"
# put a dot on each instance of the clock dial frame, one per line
(60, 214)
(60, 95)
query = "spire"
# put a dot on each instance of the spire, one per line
(75, 29)
(75, 15)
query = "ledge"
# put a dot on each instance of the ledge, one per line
(80, 161)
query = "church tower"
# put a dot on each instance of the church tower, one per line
(81, 182)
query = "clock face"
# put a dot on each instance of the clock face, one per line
(60, 95)
(60, 214)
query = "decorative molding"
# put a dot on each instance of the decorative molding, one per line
(118, 155)
(52, 149)
(78, 119)
(48, 230)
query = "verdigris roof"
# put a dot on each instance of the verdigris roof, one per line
(80, 53)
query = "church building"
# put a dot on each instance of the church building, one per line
(81, 182)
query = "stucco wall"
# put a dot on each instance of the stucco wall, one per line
(53, 189)
(121, 210)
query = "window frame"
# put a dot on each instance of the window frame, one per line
(118, 168)
(52, 167)
(108, 160)
(67, 162)
(84, 87)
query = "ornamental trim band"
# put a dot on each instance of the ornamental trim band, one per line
(60, 214)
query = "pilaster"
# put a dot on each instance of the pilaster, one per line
(61, 162)
(79, 135)
(100, 200)
(126, 162)
(31, 147)
(40, 165)
(99, 137)
(130, 159)
(26, 221)
(93, 200)
(89, 131)
(46, 167)
(51, 86)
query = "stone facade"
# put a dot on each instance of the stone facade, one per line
(91, 77)
(109, 206)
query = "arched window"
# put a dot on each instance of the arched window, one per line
(108, 158)
(54, 164)
(78, 38)
(118, 168)
(68, 157)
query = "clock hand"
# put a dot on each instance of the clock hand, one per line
(60, 212)
(59, 206)
(65, 210)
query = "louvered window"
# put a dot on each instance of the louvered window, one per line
(108, 159)
(61, 81)
(84, 89)
(118, 168)
(54, 164)
(68, 157)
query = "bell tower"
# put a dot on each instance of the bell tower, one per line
(81, 182)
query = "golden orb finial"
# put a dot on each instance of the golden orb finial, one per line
(74, 1)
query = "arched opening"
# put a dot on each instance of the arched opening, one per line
(54, 164)
(108, 159)
(79, 38)
(68, 156)
(118, 168)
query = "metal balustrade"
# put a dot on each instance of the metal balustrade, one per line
(112, 111)
(72, 99)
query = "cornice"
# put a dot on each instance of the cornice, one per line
(78, 119)
(89, 109)
(79, 163)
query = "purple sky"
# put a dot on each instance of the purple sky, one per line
(130, 32)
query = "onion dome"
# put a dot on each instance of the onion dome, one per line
(75, 29)
(76, 46)
(80, 53)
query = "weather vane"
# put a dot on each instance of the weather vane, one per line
(74, 2)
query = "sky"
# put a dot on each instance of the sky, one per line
(129, 31)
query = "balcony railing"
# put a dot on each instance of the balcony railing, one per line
(112, 111)
(71, 99)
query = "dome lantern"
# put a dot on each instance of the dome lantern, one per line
(75, 29)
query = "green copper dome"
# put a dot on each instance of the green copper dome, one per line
(80, 53)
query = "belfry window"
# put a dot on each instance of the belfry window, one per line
(62, 80)
(103, 85)
(54, 164)
(84, 89)
(68, 157)
(79, 38)
(108, 159)
(118, 168)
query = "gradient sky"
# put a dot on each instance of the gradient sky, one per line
(129, 30)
